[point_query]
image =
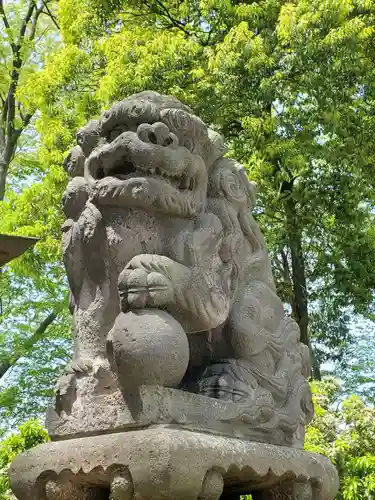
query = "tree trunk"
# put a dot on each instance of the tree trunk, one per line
(6, 155)
(12, 111)
(300, 309)
(3, 176)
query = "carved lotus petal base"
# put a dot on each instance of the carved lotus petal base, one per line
(166, 463)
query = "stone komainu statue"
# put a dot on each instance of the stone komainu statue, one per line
(186, 375)
(171, 285)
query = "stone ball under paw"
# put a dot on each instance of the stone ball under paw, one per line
(148, 346)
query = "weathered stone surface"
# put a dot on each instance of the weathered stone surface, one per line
(165, 463)
(150, 405)
(157, 220)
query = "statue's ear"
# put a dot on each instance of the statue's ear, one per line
(228, 179)
(74, 162)
(75, 196)
(216, 148)
(251, 187)
(88, 137)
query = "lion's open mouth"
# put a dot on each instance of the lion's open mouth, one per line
(127, 170)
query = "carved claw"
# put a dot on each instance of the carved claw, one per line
(73, 368)
(145, 283)
(79, 365)
(228, 381)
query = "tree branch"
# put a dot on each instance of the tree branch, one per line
(34, 22)
(286, 267)
(7, 26)
(165, 12)
(25, 122)
(176, 22)
(3, 15)
(208, 42)
(5, 110)
(25, 22)
(37, 335)
(20, 110)
(26, 119)
(49, 14)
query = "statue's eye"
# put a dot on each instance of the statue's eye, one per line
(188, 144)
(178, 121)
(116, 132)
(138, 109)
(182, 120)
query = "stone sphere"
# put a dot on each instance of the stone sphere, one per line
(148, 346)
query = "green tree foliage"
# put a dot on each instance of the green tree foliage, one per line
(28, 435)
(25, 27)
(34, 324)
(357, 374)
(289, 84)
(345, 433)
(291, 87)
(35, 344)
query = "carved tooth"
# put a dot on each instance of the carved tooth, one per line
(152, 171)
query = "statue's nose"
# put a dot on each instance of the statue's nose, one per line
(157, 133)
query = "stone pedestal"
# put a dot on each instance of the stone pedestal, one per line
(163, 463)
(114, 411)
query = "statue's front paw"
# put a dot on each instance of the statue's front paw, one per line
(67, 378)
(141, 286)
(79, 365)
